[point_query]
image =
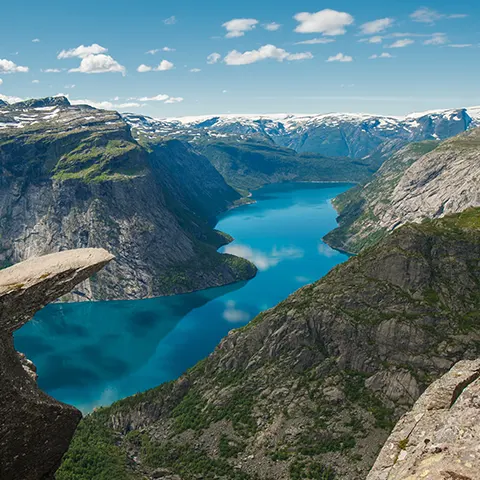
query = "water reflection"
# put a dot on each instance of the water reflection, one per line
(90, 354)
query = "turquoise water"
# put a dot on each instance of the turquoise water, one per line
(94, 353)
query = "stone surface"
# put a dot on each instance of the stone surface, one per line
(439, 438)
(35, 429)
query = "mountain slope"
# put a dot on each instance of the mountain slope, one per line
(423, 180)
(312, 386)
(73, 176)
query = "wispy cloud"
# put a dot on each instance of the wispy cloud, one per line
(402, 43)
(170, 20)
(436, 39)
(376, 26)
(430, 16)
(82, 51)
(382, 55)
(264, 260)
(272, 26)
(316, 41)
(234, 314)
(213, 58)
(264, 53)
(374, 39)
(340, 57)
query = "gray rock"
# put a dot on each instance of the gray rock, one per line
(35, 429)
(439, 437)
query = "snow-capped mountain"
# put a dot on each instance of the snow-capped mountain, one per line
(348, 135)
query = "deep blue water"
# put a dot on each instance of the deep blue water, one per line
(94, 353)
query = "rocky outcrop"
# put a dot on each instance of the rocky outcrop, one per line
(35, 429)
(424, 180)
(312, 387)
(74, 177)
(439, 437)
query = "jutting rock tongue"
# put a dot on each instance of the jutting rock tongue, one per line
(35, 429)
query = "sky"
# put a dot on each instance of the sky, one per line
(174, 58)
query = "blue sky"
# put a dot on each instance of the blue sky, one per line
(427, 55)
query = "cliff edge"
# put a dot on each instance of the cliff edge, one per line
(438, 438)
(35, 429)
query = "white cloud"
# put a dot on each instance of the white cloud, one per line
(164, 65)
(233, 314)
(82, 51)
(10, 99)
(325, 251)
(174, 100)
(152, 52)
(402, 43)
(1, 81)
(195, 70)
(460, 45)
(272, 26)
(161, 97)
(144, 68)
(168, 49)
(70, 86)
(35, 40)
(213, 58)
(105, 105)
(224, 91)
(170, 20)
(316, 41)
(7, 66)
(263, 53)
(428, 15)
(382, 55)
(340, 57)
(376, 26)
(35, 81)
(328, 22)
(99, 64)
(436, 39)
(51, 70)
(238, 26)
(374, 39)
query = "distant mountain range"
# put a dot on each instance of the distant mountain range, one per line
(334, 135)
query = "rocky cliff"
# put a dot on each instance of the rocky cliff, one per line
(35, 429)
(73, 176)
(425, 180)
(438, 438)
(312, 387)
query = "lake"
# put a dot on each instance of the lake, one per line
(93, 353)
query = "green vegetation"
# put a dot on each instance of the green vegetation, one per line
(230, 448)
(94, 455)
(187, 461)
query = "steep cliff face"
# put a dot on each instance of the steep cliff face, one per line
(421, 181)
(35, 429)
(438, 438)
(73, 176)
(312, 387)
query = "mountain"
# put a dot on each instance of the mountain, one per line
(74, 177)
(331, 135)
(312, 387)
(249, 162)
(424, 180)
